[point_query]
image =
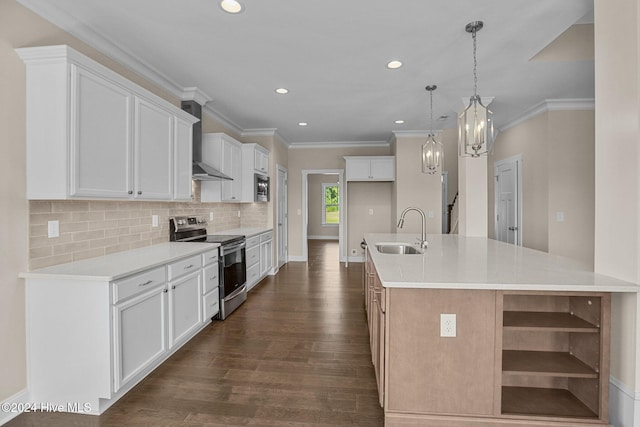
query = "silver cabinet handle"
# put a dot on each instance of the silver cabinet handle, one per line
(139, 192)
(188, 266)
(213, 278)
(173, 287)
(148, 282)
(513, 228)
(165, 291)
(130, 192)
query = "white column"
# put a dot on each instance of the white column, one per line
(472, 196)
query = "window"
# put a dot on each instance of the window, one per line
(330, 204)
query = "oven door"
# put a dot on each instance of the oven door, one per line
(233, 268)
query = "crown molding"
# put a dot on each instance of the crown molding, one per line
(272, 132)
(195, 94)
(575, 104)
(415, 133)
(339, 144)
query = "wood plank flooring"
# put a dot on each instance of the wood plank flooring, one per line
(295, 354)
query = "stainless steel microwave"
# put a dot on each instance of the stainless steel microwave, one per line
(261, 187)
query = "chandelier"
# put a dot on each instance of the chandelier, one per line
(432, 152)
(475, 124)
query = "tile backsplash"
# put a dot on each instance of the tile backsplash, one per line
(90, 229)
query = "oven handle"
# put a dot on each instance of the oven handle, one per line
(238, 292)
(227, 249)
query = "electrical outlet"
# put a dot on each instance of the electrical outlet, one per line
(354, 252)
(560, 216)
(370, 211)
(238, 214)
(154, 220)
(448, 325)
(211, 216)
(431, 214)
(53, 229)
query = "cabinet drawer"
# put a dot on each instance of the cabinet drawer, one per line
(211, 303)
(253, 256)
(253, 274)
(184, 266)
(210, 257)
(211, 279)
(137, 284)
(266, 236)
(253, 241)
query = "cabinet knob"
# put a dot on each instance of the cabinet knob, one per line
(173, 287)
(165, 291)
(139, 192)
(130, 192)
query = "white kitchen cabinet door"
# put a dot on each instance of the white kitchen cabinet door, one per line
(182, 152)
(140, 334)
(232, 166)
(370, 168)
(185, 307)
(383, 168)
(100, 125)
(358, 169)
(153, 151)
(261, 161)
(266, 257)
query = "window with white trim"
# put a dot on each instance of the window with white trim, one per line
(330, 203)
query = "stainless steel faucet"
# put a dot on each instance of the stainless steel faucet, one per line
(423, 241)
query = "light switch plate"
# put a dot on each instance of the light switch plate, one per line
(154, 220)
(448, 325)
(370, 211)
(560, 216)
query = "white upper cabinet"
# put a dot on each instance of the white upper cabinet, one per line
(91, 133)
(100, 137)
(153, 151)
(255, 160)
(261, 159)
(370, 168)
(225, 154)
(183, 155)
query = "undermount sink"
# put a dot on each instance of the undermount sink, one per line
(397, 248)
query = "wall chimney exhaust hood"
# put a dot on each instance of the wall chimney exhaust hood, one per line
(201, 171)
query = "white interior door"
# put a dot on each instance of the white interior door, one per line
(507, 201)
(282, 216)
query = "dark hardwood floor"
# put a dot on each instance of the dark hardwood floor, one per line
(295, 354)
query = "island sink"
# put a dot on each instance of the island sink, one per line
(397, 249)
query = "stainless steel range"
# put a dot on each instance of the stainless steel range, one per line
(231, 259)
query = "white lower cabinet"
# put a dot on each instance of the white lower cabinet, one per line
(91, 340)
(140, 333)
(185, 307)
(259, 252)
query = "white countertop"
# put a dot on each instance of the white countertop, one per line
(458, 262)
(121, 264)
(245, 231)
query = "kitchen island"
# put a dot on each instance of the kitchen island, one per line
(475, 332)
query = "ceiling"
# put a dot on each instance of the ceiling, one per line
(332, 56)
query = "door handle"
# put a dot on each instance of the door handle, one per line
(513, 228)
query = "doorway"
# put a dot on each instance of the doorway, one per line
(282, 215)
(324, 210)
(508, 200)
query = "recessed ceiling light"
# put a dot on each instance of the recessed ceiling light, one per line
(399, 122)
(303, 124)
(231, 6)
(282, 90)
(394, 64)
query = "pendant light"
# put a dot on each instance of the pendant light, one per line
(432, 152)
(475, 124)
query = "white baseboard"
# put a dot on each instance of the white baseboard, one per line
(624, 404)
(356, 259)
(323, 238)
(13, 406)
(297, 258)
